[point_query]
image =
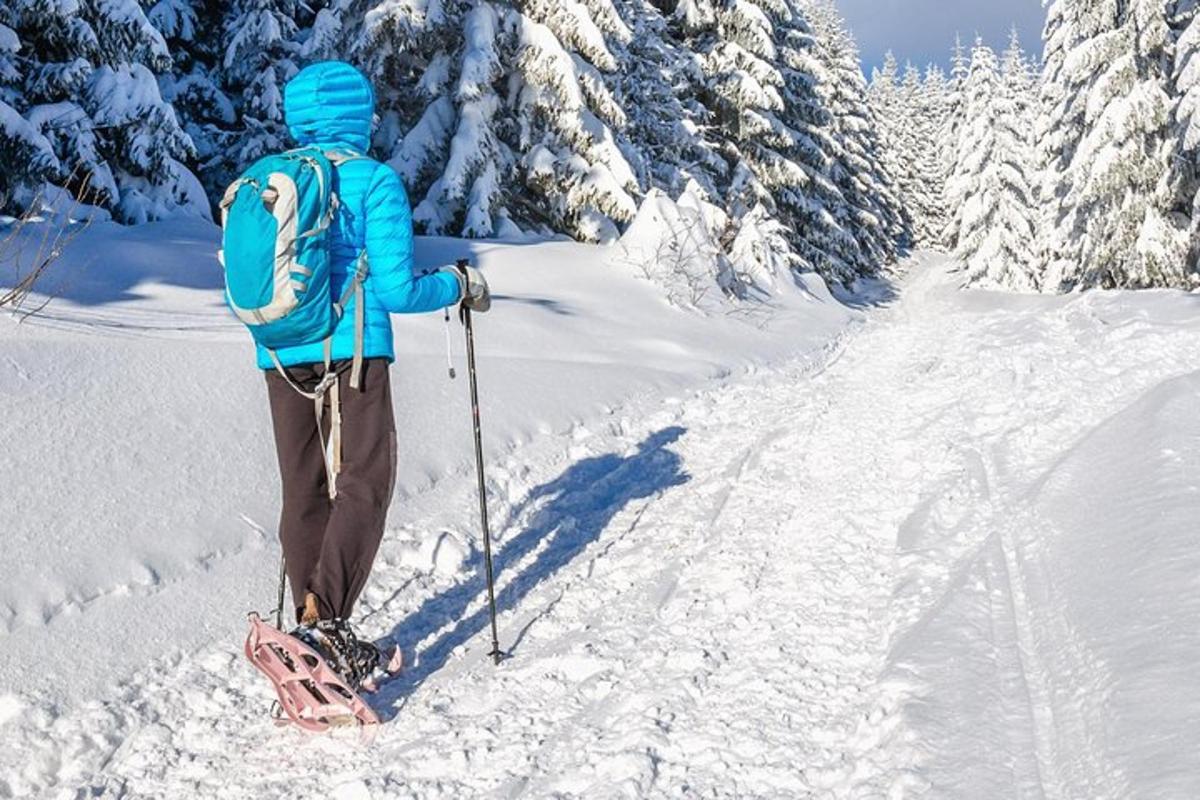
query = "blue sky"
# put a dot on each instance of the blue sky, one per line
(923, 30)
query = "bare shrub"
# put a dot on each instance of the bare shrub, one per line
(33, 242)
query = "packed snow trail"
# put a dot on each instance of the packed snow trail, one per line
(730, 596)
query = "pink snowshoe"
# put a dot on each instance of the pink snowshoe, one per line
(312, 694)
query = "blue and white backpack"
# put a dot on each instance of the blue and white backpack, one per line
(276, 254)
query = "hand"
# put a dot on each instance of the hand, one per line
(475, 293)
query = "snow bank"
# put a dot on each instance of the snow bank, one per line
(1114, 576)
(1045, 617)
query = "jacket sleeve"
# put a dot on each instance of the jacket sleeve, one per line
(389, 237)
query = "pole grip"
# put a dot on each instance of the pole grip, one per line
(464, 313)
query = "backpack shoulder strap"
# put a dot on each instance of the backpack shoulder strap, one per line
(355, 289)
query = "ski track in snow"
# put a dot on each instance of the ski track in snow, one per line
(724, 598)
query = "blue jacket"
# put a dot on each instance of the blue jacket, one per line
(331, 105)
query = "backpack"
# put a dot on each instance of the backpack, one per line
(276, 253)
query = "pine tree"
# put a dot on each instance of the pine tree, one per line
(738, 98)
(1184, 179)
(810, 203)
(661, 84)
(948, 136)
(745, 99)
(997, 216)
(192, 30)
(27, 156)
(517, 124)
(83, 78)
(877, 216)
(971, 189)
(455, 157)
(887, 103)
(914, 132)
(775, 134)
(931, 120)
(1187, 74)
(567, 118)
(1061, 126)
(261, 55)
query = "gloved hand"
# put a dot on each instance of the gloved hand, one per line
(475, 293)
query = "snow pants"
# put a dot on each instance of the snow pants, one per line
(329, 545)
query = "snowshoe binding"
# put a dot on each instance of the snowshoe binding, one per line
(358, 661)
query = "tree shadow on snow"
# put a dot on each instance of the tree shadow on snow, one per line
(572, 511)
(867, 293)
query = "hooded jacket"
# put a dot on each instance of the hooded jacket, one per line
(330, 105)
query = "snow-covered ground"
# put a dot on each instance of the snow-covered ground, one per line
(941, 544)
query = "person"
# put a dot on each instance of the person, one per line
(330, 543)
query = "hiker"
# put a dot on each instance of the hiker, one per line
(334, 511)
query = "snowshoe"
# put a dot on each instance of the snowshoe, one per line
(313, 693)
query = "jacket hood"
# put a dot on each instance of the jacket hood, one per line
(330, 104)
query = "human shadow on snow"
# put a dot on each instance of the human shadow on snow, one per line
(571, 512)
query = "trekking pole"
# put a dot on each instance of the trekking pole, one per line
(483, 513)
(279, 605)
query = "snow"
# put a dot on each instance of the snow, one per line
(923, 541)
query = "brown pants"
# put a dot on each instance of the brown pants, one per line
(330, 545)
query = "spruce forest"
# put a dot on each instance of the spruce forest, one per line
(505, 118)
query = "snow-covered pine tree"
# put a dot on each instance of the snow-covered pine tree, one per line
(914, 132)
(1184, 180)
(883, 92)
(948, 136)
(1061, 125)
(771, 126)
(193, 31)
(1108, 146)
(1186, 21)
(811, 204)
(739, 57)
(971, 190)
(878, 219)
(441, 98)
(27, 156)
(568, 122)
(995, 185)
(660, 85)
(517, 125)
(887, 103)
(83, 76)
(261, 54)
(933, 110)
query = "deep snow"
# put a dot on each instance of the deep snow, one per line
(941, 545)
